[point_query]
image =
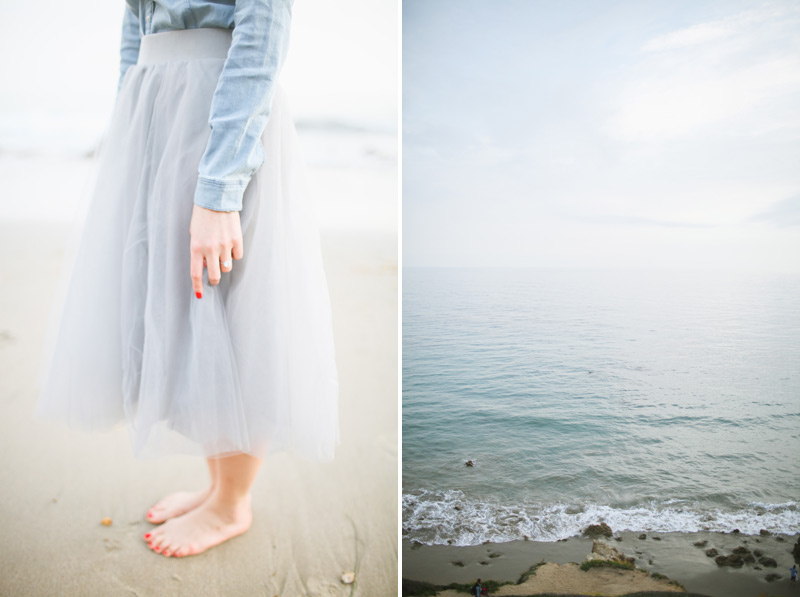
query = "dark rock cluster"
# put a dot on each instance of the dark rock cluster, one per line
(593, 530)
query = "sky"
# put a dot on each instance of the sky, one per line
(60, 66)
(616, 134)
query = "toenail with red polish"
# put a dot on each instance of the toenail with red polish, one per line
(147, 536)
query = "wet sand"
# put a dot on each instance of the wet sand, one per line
(674, 556)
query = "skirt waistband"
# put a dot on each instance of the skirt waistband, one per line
(185, 44)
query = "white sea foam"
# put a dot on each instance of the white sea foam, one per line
(449, 517)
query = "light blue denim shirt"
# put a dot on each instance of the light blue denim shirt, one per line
(241, 104)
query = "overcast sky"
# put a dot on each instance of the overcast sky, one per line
(60, 63)
(602, 134)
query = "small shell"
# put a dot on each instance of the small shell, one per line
(106, 522)
(348, 578)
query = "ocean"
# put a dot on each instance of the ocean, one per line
(654, 401)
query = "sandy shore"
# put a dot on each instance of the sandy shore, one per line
(312, 522)
(673, 555)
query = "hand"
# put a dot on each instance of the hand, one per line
(215, 236)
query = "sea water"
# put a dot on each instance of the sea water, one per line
(654, 401)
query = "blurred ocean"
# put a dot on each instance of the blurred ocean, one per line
(47, 174)
(655, 401)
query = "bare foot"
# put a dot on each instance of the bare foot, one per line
(211, 523)
(176, 504)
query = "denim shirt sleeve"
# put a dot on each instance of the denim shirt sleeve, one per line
(129, 46)
(241, 103)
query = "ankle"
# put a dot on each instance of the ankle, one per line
(230, 502)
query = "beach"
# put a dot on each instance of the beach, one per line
(312, 521)
(673, 555)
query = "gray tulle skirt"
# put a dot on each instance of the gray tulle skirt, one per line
(249, 367)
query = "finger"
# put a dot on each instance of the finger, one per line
(196, 271)
(238, 249)
(212, 265)
(225, 261)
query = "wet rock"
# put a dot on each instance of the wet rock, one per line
(643, 536)
(795, 550)
(768, 562)
(598, 529)
(758, 553)
(749, 559)
(458, 563)
(741, 551)
(617, 538)
(656, 538)
(416, 545)
(757, 568)
(780, 539)
(700, 543)
(484, 563)
(735, 532)
(733, 560)
(712, 553)
(764, 533)
(772, 577)
(469, 463)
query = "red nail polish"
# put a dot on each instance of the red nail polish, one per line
(147, 536)
(198, 294)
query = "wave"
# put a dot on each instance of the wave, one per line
(449, 517)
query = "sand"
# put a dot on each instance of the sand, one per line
(672, 555)
(312, 522)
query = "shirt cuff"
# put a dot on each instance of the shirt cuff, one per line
(219, 195)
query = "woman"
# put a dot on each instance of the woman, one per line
(197, 309)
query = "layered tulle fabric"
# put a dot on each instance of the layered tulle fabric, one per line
(249, 367)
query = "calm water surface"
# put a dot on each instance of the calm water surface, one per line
(654, 401)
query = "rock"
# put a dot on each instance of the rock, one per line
(768, 562)
(758, 553)
(700, 543)
(772, 577)
(733, 560)
(741, 551)
(735, 532)
(598, 529)
(764, 533)
(757, 568)
(457, 507)
(781, 539)
(795, 550)
(617, 538)
(643, 536)
(712, 553)
(348, 578)
(416, 545)
(458, 563)
(749, 559)
(656, 538)
(469, 463)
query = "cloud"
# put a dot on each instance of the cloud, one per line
(709, 74)
(696, 34)
(785, 212)
(617, 220)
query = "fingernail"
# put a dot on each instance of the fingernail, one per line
(198, 294)
(147, 536)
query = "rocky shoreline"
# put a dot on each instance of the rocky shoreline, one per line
(707, 563)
